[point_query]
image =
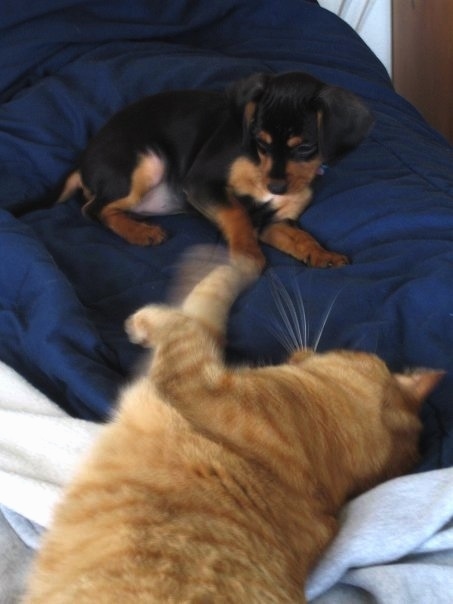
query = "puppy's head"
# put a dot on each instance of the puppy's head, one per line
(292, 123)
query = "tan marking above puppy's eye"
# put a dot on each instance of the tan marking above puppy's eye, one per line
(294, 141)
(264, 137)
(249, 111)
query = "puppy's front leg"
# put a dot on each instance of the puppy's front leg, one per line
(237, 228)
(289, 238)
(232, 218)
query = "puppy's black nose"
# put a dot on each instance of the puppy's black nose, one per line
(278, 187)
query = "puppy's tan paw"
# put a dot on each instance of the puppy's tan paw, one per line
(321, 258)
(144, 234)
(130, 229)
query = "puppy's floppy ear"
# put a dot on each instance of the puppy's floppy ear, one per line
(344, 121)
(244, 96)
(248, 90)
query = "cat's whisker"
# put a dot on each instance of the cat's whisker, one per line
(280, 336)
(288, 312)
(324, 320)
(302, 317)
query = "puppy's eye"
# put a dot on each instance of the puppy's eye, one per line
(263, 147)
(304, 151)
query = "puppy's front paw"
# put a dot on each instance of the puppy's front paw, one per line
(321, 258)
(143, 326)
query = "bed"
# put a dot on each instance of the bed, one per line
(67, 284)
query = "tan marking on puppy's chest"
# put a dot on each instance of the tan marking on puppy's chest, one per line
(290, 207)
(245, 178)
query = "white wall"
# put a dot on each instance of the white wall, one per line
(372, 20)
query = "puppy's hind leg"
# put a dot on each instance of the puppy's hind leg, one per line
(116, 217)
(116, 214)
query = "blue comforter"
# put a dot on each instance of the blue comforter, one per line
(67, 284)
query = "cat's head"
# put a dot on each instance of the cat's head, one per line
(373, 412)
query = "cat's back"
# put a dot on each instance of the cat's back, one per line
(160, 513)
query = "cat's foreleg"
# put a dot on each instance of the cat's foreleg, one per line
(211, 299)
(187, 369)
(188, 372)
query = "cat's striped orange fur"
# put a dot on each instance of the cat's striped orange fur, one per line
(215, 484)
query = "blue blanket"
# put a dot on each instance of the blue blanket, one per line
(67, 284)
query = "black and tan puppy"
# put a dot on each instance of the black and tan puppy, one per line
(245, 159)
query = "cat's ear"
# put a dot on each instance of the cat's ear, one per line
(145, 325)
(420, 383)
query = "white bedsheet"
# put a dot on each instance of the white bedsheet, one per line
(39, 447)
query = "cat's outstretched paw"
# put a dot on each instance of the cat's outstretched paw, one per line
(144, 325)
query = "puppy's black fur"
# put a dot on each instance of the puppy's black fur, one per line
(244, 158)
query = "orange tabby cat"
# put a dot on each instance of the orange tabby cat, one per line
(215, 484)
